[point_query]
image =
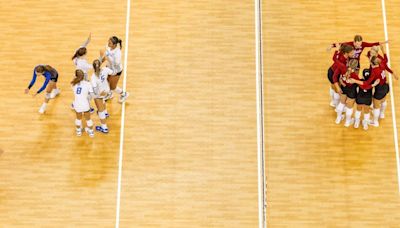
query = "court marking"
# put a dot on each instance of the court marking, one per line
(121, 139)
(260, 117)
(395, 137)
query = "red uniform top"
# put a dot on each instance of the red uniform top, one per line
(358, 51)
(377, 73)
(344, 79)
(340, 70)
(384, 61)
(338, 58)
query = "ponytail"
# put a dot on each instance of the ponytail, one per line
(115, 40)
(374, 60)
(120, 43)
(96, 66)
(80, 52)
(79, 76)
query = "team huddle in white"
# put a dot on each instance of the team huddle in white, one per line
(101, 86)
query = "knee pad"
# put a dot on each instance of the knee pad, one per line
(47, 96)
(78, 122)
(102, 115)
(89, 123)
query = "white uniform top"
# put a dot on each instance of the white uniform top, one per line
(82, 64)
(100, 84)
(115, 57)
(82, 91)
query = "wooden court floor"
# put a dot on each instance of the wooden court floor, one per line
(190, 155)
(321, 174)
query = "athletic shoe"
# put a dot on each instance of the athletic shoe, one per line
(349, 122)
(42, 109)
(123, 97)
(107, 115)
(78, 131)
(365, 124)
(375, 124)
(101, 129)
(108, 96)
(356, 123)
(91, 110)
(339, 119)
(90, 132)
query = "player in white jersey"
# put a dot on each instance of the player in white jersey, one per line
(79, 58)
(113, 57)
(101, 88)
(82, 90)
(80, 62)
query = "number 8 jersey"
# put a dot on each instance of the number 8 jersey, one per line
(81, 92)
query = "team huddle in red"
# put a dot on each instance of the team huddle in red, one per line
(349, 87)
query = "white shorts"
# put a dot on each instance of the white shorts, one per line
(81, 106)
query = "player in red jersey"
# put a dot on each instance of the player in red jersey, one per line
(363, 99)
(384, 60)
(378, 68)
(339, 58)
(358, 46)
(348, 92)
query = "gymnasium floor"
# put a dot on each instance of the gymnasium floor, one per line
(320, 174)
(190, 134)
(190, 156)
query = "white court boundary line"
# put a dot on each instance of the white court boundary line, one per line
(260, 117)
(121, 139)
(396, 142)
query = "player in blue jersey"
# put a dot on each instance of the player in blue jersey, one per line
(50, 84)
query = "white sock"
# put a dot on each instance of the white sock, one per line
(383, 107)
(336, 98)
(357, 115)
(377, 111)
(118, 90)
(339, 110)
(366, 116)
(349, 112)
(44, 105)
(331, 92)
(104, 126)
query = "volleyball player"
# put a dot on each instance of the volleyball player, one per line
(384, 60)
(50, 84)
(378, 68)
(358, 46)
(347, 91)
(340, 57)
(79, 58)
(101, 89)
(80, 62)
(363, 99)
(113, 57)
(82, 89)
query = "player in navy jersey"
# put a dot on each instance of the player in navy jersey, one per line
(50, 84)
